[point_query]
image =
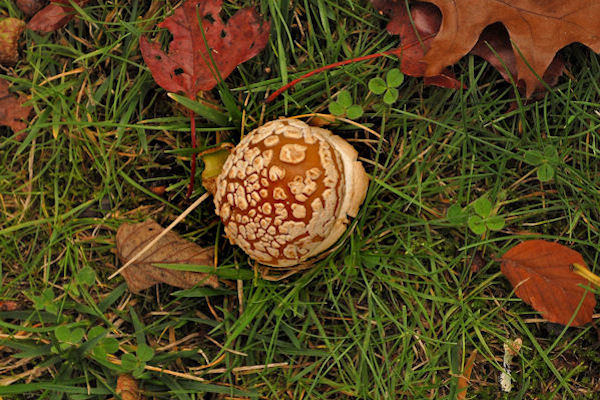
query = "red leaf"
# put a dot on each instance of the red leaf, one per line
(427, 19)
(12, 111)
(542, 274)
(188, 67)
(494, 46)
(537, 30)
(30, 7)
(54, 16)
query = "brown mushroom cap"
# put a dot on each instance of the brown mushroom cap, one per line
(285, 192)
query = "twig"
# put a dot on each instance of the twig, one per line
(249, 368)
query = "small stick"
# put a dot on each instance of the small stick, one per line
(160, 235)
(397, 52)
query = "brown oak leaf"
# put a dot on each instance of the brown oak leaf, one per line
(537, 30)
(494, 46)
(12, 111)
(423, 24)
(542, 274)
(418, 26)
(10, 31)
(170, 249)
(189, 67)
(54, 16)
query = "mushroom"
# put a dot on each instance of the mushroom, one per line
(286, 191)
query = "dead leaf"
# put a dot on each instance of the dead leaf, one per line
(465, 377)
(494, 46)
(170, 249)
(420, 25)
(537, 30)
(188, 67)
(542, 274)
(203, 51)
(424, 21)
(30, 7)
(54, 16)
(127, 388)
(10, 31)
(8, 305)
(12, 111)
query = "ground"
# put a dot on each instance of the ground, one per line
(393, 312)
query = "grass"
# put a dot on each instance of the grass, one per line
(393, 313)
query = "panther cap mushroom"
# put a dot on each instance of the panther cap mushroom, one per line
(285, 193)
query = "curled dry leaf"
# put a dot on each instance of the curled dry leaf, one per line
(423, 23)
(417, 26)
(542, 274)
(54, 16)
(537, 30)
(127, 388)
(12, 111)
(10, 31)
(465, 377)
(30, 7)
(170, 249)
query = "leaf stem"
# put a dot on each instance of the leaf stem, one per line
(397, 52)
(584, 272)
(193, 162)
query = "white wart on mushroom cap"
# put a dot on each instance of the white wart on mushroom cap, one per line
(285, 192)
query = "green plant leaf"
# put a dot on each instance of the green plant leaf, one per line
(138, 371)
(99, 352)
(354, 111)
(110, 345)
(551, 153)
(476, 224)
(210, 114)
(62, 333)
(95, 332)
(145, 352)
(533, 157)
(86, 276)
(76, 335)
(482, 207)
(48, 295)
(455, 214)
(390, 96)
(495, 222)
(52, 308)
(394, 78)
(344, 99)
(38, 302)
(545, 172)
(336, 108)
(71, 288)
(128, 361)
(377, 85)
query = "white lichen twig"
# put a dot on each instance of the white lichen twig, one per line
(511, 349)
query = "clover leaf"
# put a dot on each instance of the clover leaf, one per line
(484, 218)
(387, 87)
(343, 106)
(545, 161)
